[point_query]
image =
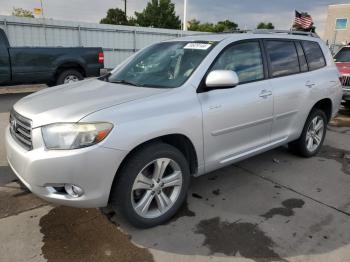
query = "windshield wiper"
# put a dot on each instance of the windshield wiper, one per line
(126, 82)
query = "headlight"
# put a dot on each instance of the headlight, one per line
(73, 136)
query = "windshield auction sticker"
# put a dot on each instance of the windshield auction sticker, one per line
(197, 46)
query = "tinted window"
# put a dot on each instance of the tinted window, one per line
(343, 55)
(314, 55)
(283, 57)
(245, 59)
(302, 59)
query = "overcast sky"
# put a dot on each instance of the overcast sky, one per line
(247, 13)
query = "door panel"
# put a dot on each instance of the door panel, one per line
(235, 121)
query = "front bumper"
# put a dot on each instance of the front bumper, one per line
(93, 169)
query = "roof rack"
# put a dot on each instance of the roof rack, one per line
(272, 31)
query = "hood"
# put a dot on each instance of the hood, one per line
(70, 103)
(343, 67)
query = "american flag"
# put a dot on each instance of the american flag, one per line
(303, 20)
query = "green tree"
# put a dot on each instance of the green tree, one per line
(263, 25)
(115, 16)
(160, 14)
(22, 12)
(221, 26)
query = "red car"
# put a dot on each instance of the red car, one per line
(342, 60)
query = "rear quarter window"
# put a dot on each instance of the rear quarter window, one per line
(314, 55)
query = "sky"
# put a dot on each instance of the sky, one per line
(247, 13)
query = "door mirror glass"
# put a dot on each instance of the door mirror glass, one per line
(222, 79)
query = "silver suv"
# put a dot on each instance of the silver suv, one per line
(176, 109)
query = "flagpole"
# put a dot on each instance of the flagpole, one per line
(185, 16)
(42, 8)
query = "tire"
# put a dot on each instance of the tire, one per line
(127, 198)
(74, 74)
(347, 104)
(301, 146)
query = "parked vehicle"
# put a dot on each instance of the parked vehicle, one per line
(49, 65)
(342, 60)
(176, 109)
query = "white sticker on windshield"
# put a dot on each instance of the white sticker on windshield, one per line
(197, 46)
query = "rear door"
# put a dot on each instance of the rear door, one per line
(5, 67)
(288, 79)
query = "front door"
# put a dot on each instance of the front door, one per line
(237, 121)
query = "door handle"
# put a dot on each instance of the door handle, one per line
(265, 93)
(310, 84)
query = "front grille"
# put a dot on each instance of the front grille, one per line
(345, 80)
(21, 130)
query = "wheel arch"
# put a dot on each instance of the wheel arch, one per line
(326, 106)
(69, 65)
(179, 141)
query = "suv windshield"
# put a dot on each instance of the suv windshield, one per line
(343, 55)
(163, 65)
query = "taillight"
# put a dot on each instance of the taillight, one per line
(101, 57)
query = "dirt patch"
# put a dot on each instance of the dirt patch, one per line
(86, 235)
(231, 239)
(15, 201)
(286, 210)
(195, 195)
(340, 155)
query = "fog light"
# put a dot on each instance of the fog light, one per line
(73, 190)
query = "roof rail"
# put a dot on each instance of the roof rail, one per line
(289, 32)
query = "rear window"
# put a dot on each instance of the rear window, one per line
(314, 55)
(343, 55)
(283, 58)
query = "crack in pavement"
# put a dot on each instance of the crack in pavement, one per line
(292, 190)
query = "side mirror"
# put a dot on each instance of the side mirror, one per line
(222, 79)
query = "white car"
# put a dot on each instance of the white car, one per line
(176, 109)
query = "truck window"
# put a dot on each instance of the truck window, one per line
(343, 55)
(245, 59)
(314, 55)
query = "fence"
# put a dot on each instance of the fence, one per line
(118, 42)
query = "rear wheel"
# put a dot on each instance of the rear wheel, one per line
(69, 76)
(152, 185)
(313, 135)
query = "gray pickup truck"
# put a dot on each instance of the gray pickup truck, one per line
(49, 65)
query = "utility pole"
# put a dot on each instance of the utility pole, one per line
(125, 7)
(185, 16)
(42, 8)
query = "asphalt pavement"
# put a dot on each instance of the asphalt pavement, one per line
(272, 207)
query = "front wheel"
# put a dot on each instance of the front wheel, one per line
(152, 185)
(313, 135)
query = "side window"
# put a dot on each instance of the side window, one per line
(283, 57)
(314, 55)
(245, 59)
(302, 59)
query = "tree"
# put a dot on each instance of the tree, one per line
(263, 25)
(22, 12)
(115, 16)
(221, 26)
(160, 14)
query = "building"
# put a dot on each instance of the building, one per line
(337, 30)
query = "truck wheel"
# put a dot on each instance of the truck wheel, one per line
(69, 76)
(151, 186)
(313, 135)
